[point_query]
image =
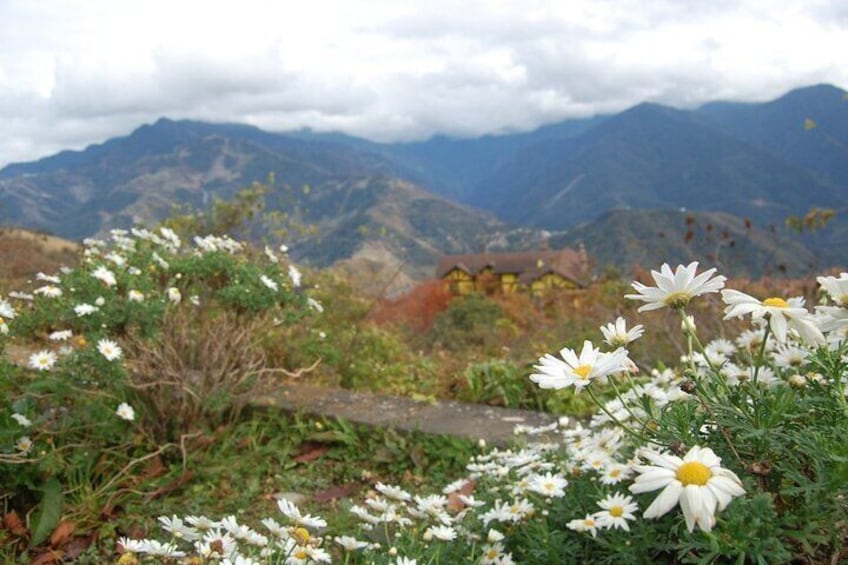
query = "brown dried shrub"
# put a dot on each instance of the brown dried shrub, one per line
(199, 371)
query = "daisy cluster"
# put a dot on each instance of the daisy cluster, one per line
(599, 478)
(124, 284)
(657, 454)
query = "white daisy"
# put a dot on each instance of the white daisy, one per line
(177, 528)
(60, 335)
(293, 513)
(174, 295)
(393, 492)
(837, 288)
(135, 295)
(614, 473)
(781, 314)
(42, 361)
(24, 445)
(616, 334)
(548, 485)
(47, 278)
(587, 524)
(697, 482)
(676, 289)
(493, 554)
(294, 275)
(578, 371)
(105, 276)
(789, 355)
(269, 282)
(6, 309)
(442, 533)
(347, 542)
(125, 412)
(616, 510)
(49, 291)
(109, 349)
(21, 420)
(85, 309)
(269, 253)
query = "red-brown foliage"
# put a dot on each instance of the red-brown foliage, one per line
(416, 309)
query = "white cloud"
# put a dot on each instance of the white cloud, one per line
(74, 72)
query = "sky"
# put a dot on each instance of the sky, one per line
(76, 72)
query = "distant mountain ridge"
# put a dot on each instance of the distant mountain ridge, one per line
(411, 201)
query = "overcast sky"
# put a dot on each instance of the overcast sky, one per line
(75, 72)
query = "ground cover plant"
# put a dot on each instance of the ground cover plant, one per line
(737, 453)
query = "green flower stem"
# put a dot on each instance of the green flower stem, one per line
(693, 338)
(618, 422)
(624, 404)
(701, 393)
(761, 354)
(702, 398)
(435, 559)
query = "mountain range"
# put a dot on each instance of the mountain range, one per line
(647, 185)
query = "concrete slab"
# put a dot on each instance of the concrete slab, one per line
(473, 421)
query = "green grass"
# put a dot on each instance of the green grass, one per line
(238, 470)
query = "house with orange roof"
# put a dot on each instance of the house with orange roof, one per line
(533, 271)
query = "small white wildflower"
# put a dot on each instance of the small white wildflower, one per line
(85, 309)
(314, 304)
(42, 361)
(105, 276)
(49, 291)
(6, 309)
(21, 420)
(60, 335)
(135, 295)
(269, 282)
(125, 412)
(47, 278)
(294, 275)
(24, 445)
(109, 349)
(174, 295)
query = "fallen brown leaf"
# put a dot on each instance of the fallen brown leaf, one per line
(76, 546)
(61, 534)
(13, 523)
(332, 493)
(51, 556)
(311, 451)
(454, 502)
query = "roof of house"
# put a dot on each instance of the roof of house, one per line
(527, 265)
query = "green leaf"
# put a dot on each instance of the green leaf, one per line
(49, 512)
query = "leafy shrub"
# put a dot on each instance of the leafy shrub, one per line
(471, 320)
(143, 323)
(500, 383)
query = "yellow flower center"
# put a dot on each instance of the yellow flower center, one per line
(775, 302)
(301, 535)
(615, 473)
(693, 473)
(301, 554)
(616, 511)
(677, 299)
(583, 371)
(492, 554)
